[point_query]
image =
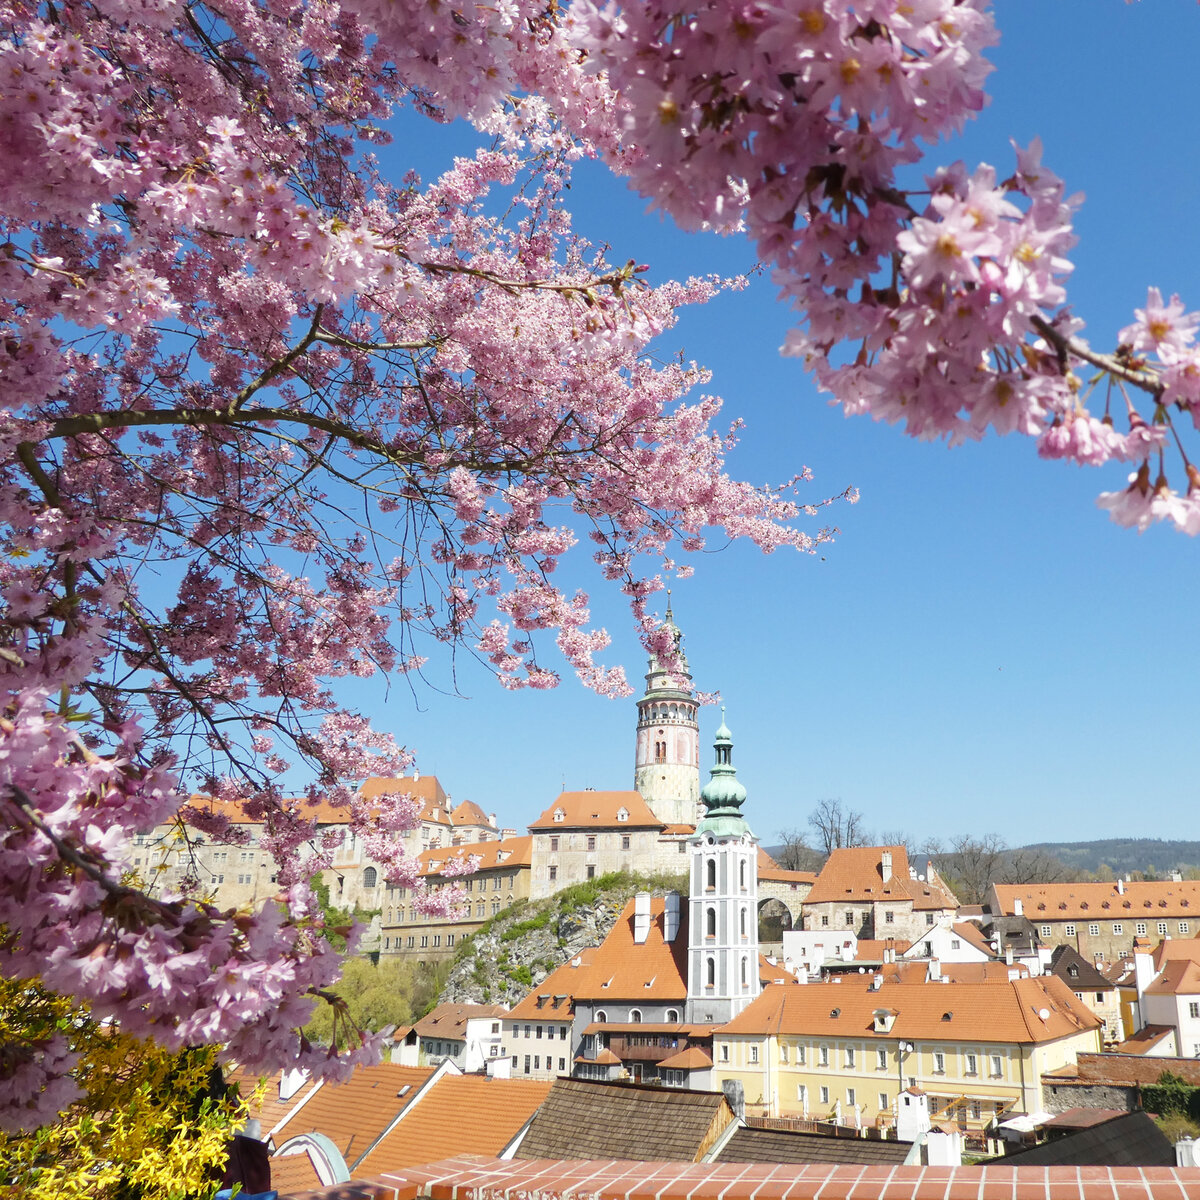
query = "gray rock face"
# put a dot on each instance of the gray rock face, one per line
(516, 950)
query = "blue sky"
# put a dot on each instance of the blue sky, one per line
(981, 649)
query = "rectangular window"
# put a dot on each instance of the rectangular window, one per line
(527, 1060)
(537, 1062)
(824, 1095)
(1194, 1009)
(754, 1054)
(783, 1052)
(554, 842)
(851, 1097)
(529, 1031)
(562, 1064)
(591, 871)
(538, 1032)
(1069, 929)
(1162, 927)
(939, 1063)
(1118, 928)
(725, 1052)
(800, 1056)
(591, 842)
(824, 921)
(437, 939)
(412, 941)
(850, 918)
(997, 1066)
(424, 940)
(449, 939)
(1094, 930)
(624, 841)
(802, 1095)
(553, 873)
(1045, 931)
(1183, 927)
(929, 918)
(881, 1059)
(824, 1056)
(850, 1058)
(497, 883)
(972, 1065)
(883, 1101)
(562, 1033)
(889, 918)
(1141, 929)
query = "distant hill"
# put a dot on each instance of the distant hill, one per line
(1121, 855)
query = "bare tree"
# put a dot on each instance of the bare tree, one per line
(972, 864)
(794, 853)
(836, 827)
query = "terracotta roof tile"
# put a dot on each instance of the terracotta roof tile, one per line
(554, 997)
(1146, 1040)
(492, 1179)
(970, 932)
(353, 1114)
(469, 813)
(691, 1059)
(450, 1020)
(294, 1173)
(784, 1146)
(1179, 977)
(622, 969)
(1170, 948)
(1101, 901)
(613, 1120)
(272, 1109)
(460, 1114)
(508, 852)
(855, 874)
(1131, 1069)
(1006, 1011)
(597, 810)
(768, 868)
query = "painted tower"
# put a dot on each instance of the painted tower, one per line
(722, 898)
(667, 770)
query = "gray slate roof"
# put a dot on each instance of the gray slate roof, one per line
(583, 1119)
(1130, 1140)
(784, 1146)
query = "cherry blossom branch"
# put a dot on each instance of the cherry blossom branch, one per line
(1119, 368)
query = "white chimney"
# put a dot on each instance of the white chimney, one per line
(641, 917)
(885, 865)
(935, 968)
(1120, 886)
(670, 916)
(291, 1081)
(912, 1116)
(1008, 955)
(1018, 907)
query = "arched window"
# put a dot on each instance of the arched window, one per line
(712, 874)
(601, 1016)
(742, 874)
(710, 922)
(370, 877)
(743, 972)
(710, 977)
(672, 1015)
(635, 1016)
(743, 922)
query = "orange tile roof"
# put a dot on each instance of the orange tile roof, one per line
(768, 868)
(425, 788)
(294, 1173)
(970, 932)
(353, 1114)
(271, 1110)
(1143, 900)
(1170, 948)
(1006, 1012)
(450, 1020)
(678, 830)
(1145, 1040)
(469, 813)
(691, 1059)
(554, 997)
(508, 852)
(1180, 977)
(494, 1179)
(598, 810)
(855, 874)
(622, 969)
(460, 1114)
(871, 949)
(770, 972)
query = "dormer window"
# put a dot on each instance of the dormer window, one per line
(622, 814)
(559, 815)
(885, 1018)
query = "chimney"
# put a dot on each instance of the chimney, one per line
(416, 775)
(1120, 886)
(1018, 907)
(291, 1080)
(1008, 955)
(671, 917)
(641, 917)
(935, 968)
(492, 820)
(885, 865)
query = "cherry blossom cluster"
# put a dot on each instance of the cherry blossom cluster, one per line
(270, 421)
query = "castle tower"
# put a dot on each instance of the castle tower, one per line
(722, 898)
(667, 770)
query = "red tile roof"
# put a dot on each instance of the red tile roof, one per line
(1101, 901)
(691, 1059)
(493, 1179)
(1171, 948)
(450, 1020)
(294, 1173)
(1180, 977)
(768, 868)
(1127, 1069)
(554, 998)
(469, 813)
(622, 969)
(353, 1114)
(855, 874)
(597, 810)
(508, 852)
(1145, 1040)
(970, 932)
(1006, 1012)
(460, 1114)
(271, 1109)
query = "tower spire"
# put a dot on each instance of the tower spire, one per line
(723, 795)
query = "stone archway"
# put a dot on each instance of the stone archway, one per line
(774, 919)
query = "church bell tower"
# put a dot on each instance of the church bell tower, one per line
(667, 770)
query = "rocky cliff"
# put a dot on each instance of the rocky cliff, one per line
(519, 947)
